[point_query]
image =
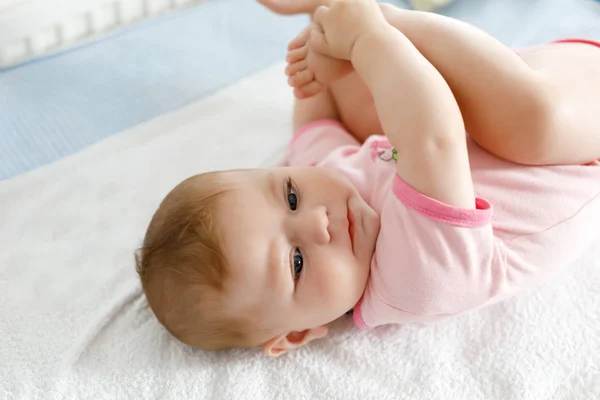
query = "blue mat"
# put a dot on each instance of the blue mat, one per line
(58, 105)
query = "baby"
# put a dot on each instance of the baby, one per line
(418, 224)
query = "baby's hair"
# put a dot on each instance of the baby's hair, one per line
(183, 268)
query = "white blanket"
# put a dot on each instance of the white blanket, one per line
(74, 324)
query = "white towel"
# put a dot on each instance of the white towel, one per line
(74, 324)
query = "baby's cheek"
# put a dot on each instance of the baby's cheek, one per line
(343, 281)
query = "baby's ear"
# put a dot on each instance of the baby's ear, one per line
(289, 341)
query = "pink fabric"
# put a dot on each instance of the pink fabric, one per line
(433, 260)
(576, 40)
(316, 124)
(325, 136)
(358, 318)
(434, 209)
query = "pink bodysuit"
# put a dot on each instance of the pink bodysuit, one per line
(433, 260)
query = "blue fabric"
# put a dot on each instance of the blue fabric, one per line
(58, 105)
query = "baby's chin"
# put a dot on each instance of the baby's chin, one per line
(349, 311)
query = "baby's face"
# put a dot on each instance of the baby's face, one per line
(299, 243)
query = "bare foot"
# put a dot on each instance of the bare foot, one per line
(290, 7)
(310, 72)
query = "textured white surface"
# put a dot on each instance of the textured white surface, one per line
(74, 325)
(32, 28)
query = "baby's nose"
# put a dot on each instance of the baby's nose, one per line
(317, 225)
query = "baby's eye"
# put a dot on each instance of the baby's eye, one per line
(298, 263)
(292, 197)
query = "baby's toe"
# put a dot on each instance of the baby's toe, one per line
(301, 78)
(293, 68)
(297, 54)
(301, 39)
(310, 89)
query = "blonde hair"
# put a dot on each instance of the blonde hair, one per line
(183, 268)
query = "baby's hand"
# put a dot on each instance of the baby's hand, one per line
(338, 27)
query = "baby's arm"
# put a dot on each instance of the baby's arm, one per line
(499, 94)
(418, 114)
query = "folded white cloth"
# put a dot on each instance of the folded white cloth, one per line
(74, 324)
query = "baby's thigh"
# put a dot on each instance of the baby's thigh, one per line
(356, 107)
(572, 71)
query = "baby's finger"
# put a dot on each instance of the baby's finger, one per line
(318, 41)
(283, 7)
(320, 14)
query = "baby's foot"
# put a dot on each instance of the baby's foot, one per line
(289, 7)
(310, 72)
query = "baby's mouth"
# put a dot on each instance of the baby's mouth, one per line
(351, 226)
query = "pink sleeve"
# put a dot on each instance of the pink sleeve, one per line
(314, 141)
(431, 260)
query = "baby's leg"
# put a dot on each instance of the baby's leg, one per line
(352, 98)
(535, 109)
(572, 71)
(311, 72)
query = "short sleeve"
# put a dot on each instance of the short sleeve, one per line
(315, 141)
(431, 260)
